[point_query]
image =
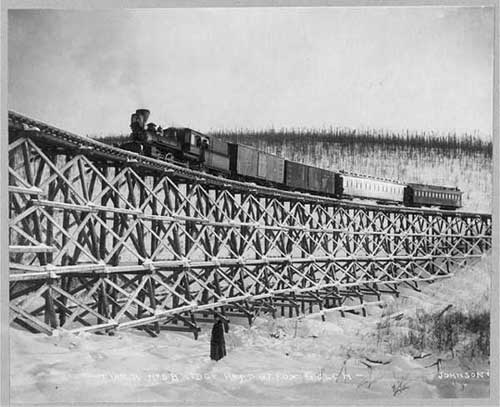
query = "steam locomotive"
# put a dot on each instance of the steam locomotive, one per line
(241, 162)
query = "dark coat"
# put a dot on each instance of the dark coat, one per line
(217, 343)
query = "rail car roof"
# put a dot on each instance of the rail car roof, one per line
(354, 174)
(433, 187)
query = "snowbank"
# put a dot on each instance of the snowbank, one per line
(289, 361)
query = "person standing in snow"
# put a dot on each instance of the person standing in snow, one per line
(217, 343)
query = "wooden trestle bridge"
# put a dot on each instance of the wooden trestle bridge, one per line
(103, 239)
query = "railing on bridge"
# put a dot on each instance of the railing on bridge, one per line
(104, 239)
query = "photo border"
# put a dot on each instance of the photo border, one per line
(136, 4)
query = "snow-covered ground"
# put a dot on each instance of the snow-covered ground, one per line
(285, 360)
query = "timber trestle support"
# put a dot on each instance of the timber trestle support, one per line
(102, 239)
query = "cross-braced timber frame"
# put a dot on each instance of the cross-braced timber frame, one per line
(104, 239)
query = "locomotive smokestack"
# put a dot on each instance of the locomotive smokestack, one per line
(138, 121)
(142, 116)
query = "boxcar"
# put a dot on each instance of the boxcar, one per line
(216, 161)
(295, 175)
(307, 178)
(249, 162)
(218, 146)
(359, 186)
(321, 180)
(431, 195)
(216, 155)
(244, 160)
(271, 168)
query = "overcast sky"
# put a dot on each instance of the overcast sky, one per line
(394, 68)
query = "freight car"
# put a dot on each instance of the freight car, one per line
(247, 163)
(311, 179)
(250, 163)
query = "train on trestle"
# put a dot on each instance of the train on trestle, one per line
(241, 162)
